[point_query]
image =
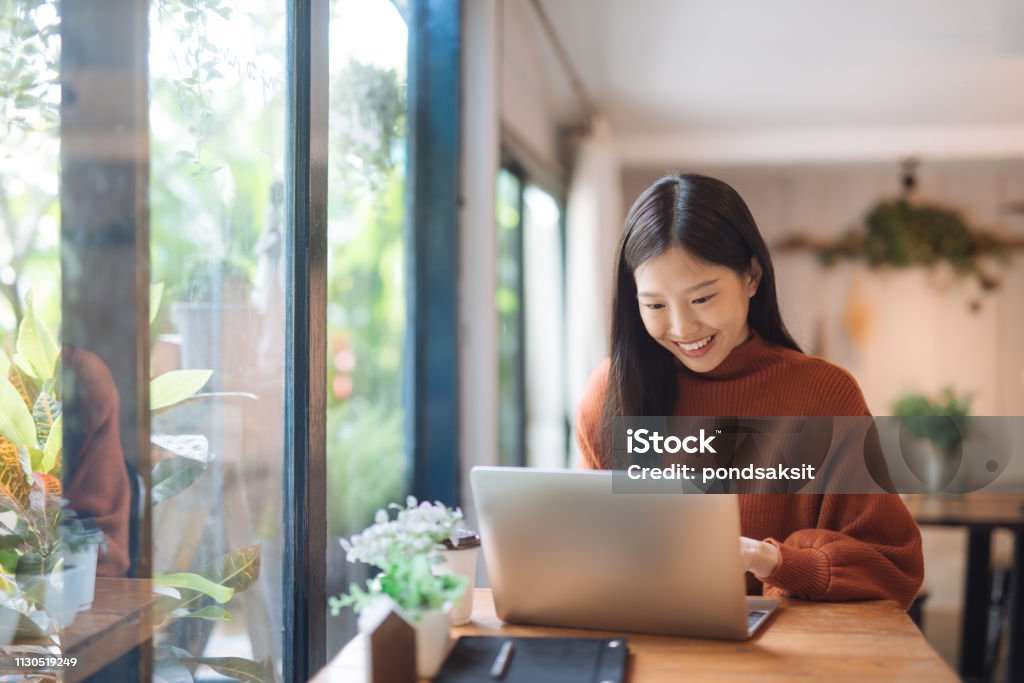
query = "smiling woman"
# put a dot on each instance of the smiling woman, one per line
(696, 330)
(698, 323)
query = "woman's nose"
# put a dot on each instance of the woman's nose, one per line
(683, 324)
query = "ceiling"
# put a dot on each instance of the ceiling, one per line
(658, 67)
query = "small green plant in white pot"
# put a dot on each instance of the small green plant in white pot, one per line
(936, 427)
(406, 550)
(81, 541)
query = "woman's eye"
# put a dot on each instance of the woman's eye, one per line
(654, 307)
(703, 299)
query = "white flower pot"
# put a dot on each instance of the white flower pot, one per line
(61, 595)
(432, 642)
(83, 585)
(461, 562)
(8, 625)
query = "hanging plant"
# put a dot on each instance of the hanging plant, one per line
(900, 234)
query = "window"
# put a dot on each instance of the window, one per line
(366, 305)
(237, 338)
(217, 111)
(532, 416)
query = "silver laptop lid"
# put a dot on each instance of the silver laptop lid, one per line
(563, 550)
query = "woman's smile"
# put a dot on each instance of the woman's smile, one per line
(697, 348)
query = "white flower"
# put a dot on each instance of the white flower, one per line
(418, 529)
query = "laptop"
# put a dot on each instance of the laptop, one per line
(562, 550)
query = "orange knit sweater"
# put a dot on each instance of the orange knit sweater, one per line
(831, 546)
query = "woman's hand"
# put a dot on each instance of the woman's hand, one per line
(759, 558)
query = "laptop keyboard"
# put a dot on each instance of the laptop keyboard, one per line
(755, 617)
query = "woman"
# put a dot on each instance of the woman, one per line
(696, 330)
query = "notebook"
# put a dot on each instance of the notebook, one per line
(536, 660)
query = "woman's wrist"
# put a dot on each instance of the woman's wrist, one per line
(760, 557)
(768, 561)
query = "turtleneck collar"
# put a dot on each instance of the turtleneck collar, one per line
(746, 359)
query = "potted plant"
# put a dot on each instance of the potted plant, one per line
(406, 550)
(932, 431)
(81, 541)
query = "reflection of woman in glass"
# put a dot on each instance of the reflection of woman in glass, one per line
(96, 480)
(696, 330)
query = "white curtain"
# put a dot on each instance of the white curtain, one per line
(594, 218)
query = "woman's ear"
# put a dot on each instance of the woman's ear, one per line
(753, 276)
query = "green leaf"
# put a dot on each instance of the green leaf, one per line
(197, 583)
(238, 569)
(244, 670)
(207, 396)
(35, 458)
(53, 445)
(16, 424)
(35, 346)
(211, 612)
(46, 410)
(15, 486)
(23, 384)
(156, 293)
(174, 387)
(173, 475)
(8, 560)
(191, 446)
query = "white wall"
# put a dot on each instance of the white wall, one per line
(478, 323)
(529, 77)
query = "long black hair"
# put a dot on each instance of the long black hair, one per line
(710, 220)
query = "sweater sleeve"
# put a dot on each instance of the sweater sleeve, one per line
(865, 547)
(588, 418)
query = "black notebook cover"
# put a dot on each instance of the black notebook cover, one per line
(537, 660)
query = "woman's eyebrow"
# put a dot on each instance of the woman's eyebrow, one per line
(699, 285)
(702, 285)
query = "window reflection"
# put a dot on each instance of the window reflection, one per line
(366, 310)
(217, 113)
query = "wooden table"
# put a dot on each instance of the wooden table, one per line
(120, 620)
(981, 514)
(804, 641)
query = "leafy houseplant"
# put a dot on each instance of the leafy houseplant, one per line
(943, 420)
(902, 234)
(404, 550)
(936, 427)
(39, 535)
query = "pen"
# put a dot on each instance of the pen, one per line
(501, 661)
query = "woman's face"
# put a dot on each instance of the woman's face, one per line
(696, 310)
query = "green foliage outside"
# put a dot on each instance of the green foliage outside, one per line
(366, 295)
(29, 126)
(217, 218)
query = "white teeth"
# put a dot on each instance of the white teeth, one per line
(696, 345)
